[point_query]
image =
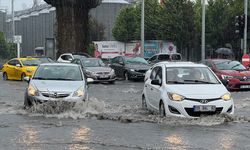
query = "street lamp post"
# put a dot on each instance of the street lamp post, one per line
(142, 27)
(245, 29)
(203, 53)
(13, 21)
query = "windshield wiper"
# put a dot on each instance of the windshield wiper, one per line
(200, 81)
(39, 78)
(176, 82)
(69, 79)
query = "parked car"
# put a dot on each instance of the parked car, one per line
(46, 84)
(95, 68)
(237, 75)
(129, 68)
(18, 68)
(44, 59)
(164, 57)
(185, 90)
(68, 57)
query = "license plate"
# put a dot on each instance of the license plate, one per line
(204, 108)
(103, 76)
(245, 87)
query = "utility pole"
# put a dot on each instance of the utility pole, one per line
(142, 27)
(245, 29)
(203, 51)
(13, 21)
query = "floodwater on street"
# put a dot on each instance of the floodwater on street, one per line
(114, 120)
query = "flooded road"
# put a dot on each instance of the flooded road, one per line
(114, 120)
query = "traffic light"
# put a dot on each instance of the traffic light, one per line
(240, 25)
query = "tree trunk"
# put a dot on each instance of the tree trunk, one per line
(72, 29)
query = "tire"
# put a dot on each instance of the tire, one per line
(5, 76)
(23, 76)
(111, 82)
(162, 112)
(144, 103)
(27, 102)
(126, 76)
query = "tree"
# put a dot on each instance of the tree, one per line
(7, 50)
(73, 24)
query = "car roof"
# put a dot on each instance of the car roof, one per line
(218, 60)
(180, 64)
(26, 58)
(58, 64)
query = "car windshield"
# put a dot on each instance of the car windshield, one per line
(79, 56)
(190, 75)
(92, 63)
(136, 60)
(229, 65)
(58, 72)
(164, 57)
(45, 60)
(176, 57)
(32, 62)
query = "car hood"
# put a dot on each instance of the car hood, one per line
(57, 86)
(235, 72)
(137, 66)
(199, 91)
(99, 69)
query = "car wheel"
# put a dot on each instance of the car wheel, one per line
(127, 77)
(111, 82)
(27, 102)
(23, 76)
(5, 76)
(144, 103)
(162, 112)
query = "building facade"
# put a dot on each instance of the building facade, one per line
(37, 24)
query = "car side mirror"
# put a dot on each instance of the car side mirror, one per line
(121, 63)
(90, 80)
(224, 82)
(27, 79)
(18, 65)
(156, 82)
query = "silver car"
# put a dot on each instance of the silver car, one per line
(56, 82)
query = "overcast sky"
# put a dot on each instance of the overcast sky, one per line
(18, 4)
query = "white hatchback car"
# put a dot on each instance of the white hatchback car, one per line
(185, 90)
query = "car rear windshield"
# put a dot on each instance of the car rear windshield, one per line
(32, 62)
(190, 75)
(136, 60)
(164, 57)
(92, 63)
(229, 65)
(176, 57)
(58, 72)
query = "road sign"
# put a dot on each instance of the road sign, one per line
(245, 60)
(18, 39)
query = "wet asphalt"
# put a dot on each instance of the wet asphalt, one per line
(114, 120)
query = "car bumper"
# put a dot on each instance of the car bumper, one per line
(136, 75)
(185, 108)
(238, 85)
(103, 79)
(43, 99)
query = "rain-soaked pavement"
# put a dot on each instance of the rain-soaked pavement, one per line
(114, 120)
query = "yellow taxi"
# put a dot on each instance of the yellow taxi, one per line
(18, 68)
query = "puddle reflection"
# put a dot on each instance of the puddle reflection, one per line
(176, 142)
(80, 135)
(29, 138)
(226, 141)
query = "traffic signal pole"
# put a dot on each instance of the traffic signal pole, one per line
(203, 52)
(245, 29)
(142, 27)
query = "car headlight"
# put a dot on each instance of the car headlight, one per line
(32, 91)
(226, 97)
(132, 70)
(29, 71)
(79, 92)
(226, 77)
(90, 72)
(112, 72)
(175, 97)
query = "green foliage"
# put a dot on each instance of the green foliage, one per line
(7, 50)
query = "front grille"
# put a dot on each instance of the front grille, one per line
(141, 71)
(243, 78)
(191, 112)
(55, 95)
(199, 100)
(103, 78)
(102, 73)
